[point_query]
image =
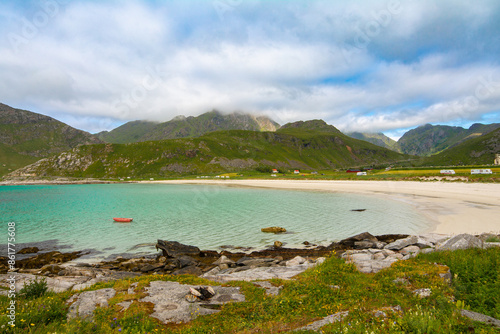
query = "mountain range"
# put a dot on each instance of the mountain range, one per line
(295, 146)
(216, 142)
(181, 127)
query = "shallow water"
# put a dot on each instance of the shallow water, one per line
(80, 216)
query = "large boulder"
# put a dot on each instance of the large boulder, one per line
(84, 304)
(402, 243)
(175, 249)
(171, 306)
(461, 241)
(351, 242)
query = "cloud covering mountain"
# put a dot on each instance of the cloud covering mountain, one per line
(365, 66)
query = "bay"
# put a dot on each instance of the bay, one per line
(80, 216)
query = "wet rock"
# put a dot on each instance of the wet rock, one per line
(41, 260)
(274, 229)
(461, 241)
(51, 269)
(365, 244)
(84, 304)
(185, 261)
(150, 267)
(29, 250)
(402, 243)
(389, 238)
(350, 242)
(191, 270)
(175, 249)
(278, 244)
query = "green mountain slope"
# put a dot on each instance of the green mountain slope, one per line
(27, 136)
(316, 125)
(376, 138)
(476, 151)
(181, 127)
(127, 133)
(11, 160)
(431, 139)
(216, 152)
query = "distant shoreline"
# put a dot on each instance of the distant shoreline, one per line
(455, 207)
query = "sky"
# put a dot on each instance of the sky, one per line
(369, 66)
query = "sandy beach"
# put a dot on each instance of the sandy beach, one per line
(454, 207)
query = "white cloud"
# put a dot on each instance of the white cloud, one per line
(104, 63)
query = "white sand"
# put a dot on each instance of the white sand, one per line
(455, 207)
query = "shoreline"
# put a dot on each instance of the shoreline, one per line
(454, 207)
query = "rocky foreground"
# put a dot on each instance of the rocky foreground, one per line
(173, 301)
(369, 253)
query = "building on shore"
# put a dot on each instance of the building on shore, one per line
(497, 159)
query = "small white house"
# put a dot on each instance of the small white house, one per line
(481, 171)
(447, 171)
(296, 171)
(275, 170)
(361, 174)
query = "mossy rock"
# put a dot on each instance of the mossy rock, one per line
(274, 229)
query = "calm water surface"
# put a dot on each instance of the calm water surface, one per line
(80, 216)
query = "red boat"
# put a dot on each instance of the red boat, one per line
(123, 220)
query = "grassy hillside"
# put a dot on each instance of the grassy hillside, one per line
(127, 133)
(216, 152)
(431, 139)
(11, 160)
(476, 151)
(27, 136)
(181, 127)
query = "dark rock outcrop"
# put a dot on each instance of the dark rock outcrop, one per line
(175, 249)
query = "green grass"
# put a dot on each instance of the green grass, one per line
(311, 296)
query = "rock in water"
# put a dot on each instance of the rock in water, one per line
(278, 244)
(274, 229)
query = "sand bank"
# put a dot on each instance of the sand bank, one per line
(454, 207)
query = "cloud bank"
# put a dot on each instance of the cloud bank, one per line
(362, 66)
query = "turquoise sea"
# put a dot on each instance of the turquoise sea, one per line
(80, 216)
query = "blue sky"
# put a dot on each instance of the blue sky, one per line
(371, 66)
